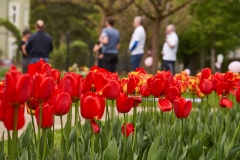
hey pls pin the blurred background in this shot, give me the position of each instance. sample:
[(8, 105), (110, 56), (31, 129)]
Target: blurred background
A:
[(205, 28)]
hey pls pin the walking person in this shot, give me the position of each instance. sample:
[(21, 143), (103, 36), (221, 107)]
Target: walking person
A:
[(110, 38), (170, 48), (136, 46), (98, 49), (39, 44), (25, 58)]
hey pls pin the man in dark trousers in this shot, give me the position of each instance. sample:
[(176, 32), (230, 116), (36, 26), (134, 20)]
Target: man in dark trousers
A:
[(110, 38), (39, 44)]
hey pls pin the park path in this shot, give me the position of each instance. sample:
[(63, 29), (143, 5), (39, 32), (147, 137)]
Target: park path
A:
[(57, 121)]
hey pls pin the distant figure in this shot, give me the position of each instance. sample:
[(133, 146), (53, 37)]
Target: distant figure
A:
[(170, 48), (39, 44), (25, 58), (98, 49), (136, 46), (110, 38)]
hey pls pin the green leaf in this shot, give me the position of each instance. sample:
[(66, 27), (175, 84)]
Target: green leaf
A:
[(233, 151), (197, 149), (2, 155), (160, 153), (152, 149), (111, 153), (24, 155), (116, 128), (73, 136), (174, 154), (183, 156), (27, 137), (211, 152), (221, 149)]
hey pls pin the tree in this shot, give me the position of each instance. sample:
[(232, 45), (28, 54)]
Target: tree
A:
[(157, 14)]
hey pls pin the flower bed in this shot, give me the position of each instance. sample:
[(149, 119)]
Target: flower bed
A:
[(169, 128)]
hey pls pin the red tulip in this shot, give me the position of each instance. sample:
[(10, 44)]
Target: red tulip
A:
[(47, 116), (215, 82), (132, 84), (18, 87), (61, 103), (124, 103), (173, 93), (206, 73), (127, 129), (8, 116), (145, 90), (225, 102), (206, 86), (182, 108), (157, 87), (111, 90), (223, 89), (95, 127), (92, 106), (72, 84), (43, 87), (238, 94), (94, 82), (164, 104)]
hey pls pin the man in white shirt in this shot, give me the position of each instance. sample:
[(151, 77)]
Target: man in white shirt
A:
[(170, 48), (136, 46)]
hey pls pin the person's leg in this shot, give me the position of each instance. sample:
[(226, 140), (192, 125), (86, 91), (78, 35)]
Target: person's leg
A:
[(138, 60), (25, 63), (34, 60), (165, 64), (113, 62), (107, 62), (135, 61), (170, 66)]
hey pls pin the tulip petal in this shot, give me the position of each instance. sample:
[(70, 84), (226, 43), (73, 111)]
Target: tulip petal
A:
[(95, 127), (187, 109), (164, 104)]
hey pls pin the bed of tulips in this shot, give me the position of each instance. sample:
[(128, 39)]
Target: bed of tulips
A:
[(163, 124)]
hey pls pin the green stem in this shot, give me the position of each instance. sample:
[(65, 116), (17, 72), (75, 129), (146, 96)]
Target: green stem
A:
[(92, 146), (106, 116), (62, 138), (39, 131), (134, 122), (125, 138), (76, 112), (182, 133), (13, 154), (78, 156), (53, 131), (223, 113), (9, 142), (154, 117), (45, 141), (159, 135), (112, 113), (34, 130)]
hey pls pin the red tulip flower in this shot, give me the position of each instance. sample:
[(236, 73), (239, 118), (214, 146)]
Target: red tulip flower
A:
[(206, 73), (47, 116), (164, 104), (33, 104), (95, 127), (94, 82), (8, 116), (225, 103), (92, 106), (18, 87), (72, 84), (111, 90), (206, 86), (61, 103), (182, 108), (43, 87), (127, 129), (173, 93), (145, 90), (124, 103), (238, 94)]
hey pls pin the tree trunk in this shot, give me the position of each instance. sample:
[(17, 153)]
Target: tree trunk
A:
[(213, 59), (202, 61), (155, 45)]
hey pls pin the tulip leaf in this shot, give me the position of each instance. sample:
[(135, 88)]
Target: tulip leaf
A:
[(160, 153), (73, 136), (27, 137), (129, 146), (24, 155), (174, 154), (211, 152), (153, 149), (111, 151), (183, 156), (2, 155), (221, 149), (197, 149), (104, 142), (233, 152), (116, 127)]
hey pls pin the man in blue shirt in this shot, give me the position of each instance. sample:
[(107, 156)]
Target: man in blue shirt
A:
[(110, 38), (39, 44)]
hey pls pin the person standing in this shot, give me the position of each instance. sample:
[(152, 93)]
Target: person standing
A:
[(25, 58), (136, 46), (39, 44), (170, 48), (110, 38), (98, 49)]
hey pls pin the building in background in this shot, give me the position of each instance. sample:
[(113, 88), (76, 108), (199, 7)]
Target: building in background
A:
[(17, 12)]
